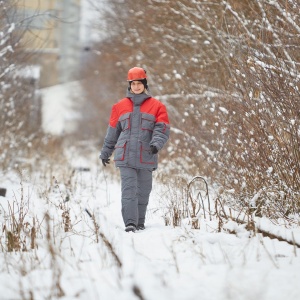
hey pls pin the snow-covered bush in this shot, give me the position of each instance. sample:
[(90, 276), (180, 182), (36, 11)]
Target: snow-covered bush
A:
[(262, 126), (228, 72), (20, 105)]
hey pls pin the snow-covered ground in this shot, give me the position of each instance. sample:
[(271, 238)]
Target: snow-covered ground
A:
[(160, 262)]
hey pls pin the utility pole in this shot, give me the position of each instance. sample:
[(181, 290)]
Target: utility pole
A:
[(69, 40)]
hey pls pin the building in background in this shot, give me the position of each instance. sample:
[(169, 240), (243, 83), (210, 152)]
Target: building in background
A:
[(58, 34), (52, 30)]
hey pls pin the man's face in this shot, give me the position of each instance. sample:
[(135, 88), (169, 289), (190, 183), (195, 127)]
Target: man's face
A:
[(137, 87)]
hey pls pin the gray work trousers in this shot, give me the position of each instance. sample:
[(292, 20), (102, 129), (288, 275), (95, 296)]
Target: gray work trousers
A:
[(136, 185)]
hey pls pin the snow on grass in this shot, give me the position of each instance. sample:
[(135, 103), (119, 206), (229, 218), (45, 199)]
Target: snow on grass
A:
[(160, 262)]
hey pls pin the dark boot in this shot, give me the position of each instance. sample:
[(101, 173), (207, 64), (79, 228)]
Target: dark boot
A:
[(140, 227), (130, 227)]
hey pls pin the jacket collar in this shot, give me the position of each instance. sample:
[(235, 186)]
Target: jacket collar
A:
[(137, 99)]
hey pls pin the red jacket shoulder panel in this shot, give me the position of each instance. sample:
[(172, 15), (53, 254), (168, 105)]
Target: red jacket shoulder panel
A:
[(124, 106), (155, 107), (150, 106)]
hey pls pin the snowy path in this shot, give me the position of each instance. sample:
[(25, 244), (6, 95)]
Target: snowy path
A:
[(160, 262), (180, 263)]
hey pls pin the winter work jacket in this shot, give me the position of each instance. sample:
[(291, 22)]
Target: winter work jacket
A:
[(136, 122)]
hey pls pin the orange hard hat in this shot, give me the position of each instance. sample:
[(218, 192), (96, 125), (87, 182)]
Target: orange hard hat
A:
[(136, 73)]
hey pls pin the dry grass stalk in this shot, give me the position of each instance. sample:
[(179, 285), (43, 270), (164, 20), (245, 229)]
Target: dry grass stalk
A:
[(174, 196), (16, 228), (56, 271)]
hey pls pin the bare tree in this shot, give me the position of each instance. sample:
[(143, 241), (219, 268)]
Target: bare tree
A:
[(262, 144)]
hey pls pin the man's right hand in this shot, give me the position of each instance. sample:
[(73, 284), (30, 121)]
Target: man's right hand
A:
[(105, 161)]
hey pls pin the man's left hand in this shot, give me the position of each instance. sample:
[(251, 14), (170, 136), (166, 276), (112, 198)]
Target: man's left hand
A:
[(153, 149)]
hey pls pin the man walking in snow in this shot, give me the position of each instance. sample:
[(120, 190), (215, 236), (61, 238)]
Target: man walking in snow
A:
[(138, 128)]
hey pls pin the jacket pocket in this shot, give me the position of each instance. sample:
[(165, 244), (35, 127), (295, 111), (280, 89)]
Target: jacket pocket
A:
[(147, 122), (120, 150), (146, 157), (125, 121)]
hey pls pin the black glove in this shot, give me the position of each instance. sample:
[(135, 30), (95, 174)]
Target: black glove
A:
[(105, 161), (153, 149)]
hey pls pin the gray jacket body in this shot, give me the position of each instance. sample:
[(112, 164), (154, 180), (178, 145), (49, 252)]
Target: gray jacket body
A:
[(136, 122)]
